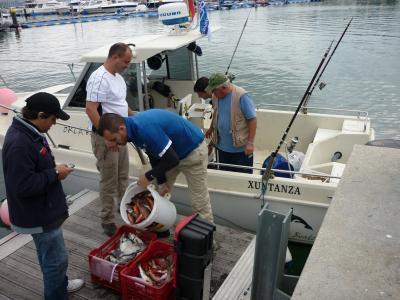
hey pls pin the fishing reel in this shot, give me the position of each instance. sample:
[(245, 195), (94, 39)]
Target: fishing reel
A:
[(231, 76)]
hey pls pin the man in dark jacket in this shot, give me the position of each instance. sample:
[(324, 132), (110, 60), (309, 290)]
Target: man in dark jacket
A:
[(36, 199)]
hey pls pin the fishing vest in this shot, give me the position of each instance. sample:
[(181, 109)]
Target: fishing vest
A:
[(239, 128)]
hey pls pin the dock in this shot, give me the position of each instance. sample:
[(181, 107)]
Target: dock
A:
[(84, 19), (356, 254), (21, 278)]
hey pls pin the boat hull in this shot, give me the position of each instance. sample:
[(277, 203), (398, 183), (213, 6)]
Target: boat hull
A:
[(231, 208)]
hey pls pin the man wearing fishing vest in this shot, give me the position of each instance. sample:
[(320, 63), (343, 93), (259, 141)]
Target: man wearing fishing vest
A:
[(106, 93), (234, 123)]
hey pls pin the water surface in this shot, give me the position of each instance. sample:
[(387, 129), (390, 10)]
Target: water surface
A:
[(277, 56)]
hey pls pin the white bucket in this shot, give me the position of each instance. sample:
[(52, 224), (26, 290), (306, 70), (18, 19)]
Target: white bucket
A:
[(162, 216)]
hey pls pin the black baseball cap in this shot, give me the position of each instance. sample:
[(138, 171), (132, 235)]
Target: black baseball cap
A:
[(46, 103)]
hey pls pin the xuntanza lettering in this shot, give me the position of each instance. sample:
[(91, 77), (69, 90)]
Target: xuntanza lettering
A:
[(278, 188)]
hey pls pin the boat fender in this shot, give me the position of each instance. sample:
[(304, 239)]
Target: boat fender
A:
[(296, 159)]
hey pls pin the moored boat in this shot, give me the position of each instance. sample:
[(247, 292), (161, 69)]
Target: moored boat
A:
[(236, 197)]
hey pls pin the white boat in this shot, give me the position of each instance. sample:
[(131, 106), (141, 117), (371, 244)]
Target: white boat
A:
[(74, 7), (5, 20), (93, 7), (119, 6), (45, 7), (322, 134), (115, 6)]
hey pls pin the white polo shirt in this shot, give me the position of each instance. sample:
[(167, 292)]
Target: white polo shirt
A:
[(109, 90)]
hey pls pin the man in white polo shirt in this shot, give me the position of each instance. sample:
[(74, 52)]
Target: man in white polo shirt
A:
[(106, 93)]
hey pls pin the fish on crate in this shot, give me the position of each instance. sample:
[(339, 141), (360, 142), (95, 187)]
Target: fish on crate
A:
[(140, 207), (157, 270), (130, 246)]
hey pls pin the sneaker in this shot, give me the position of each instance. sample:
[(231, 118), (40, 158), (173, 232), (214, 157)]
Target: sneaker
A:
[(74, 285), (163, 234), (109, 228)]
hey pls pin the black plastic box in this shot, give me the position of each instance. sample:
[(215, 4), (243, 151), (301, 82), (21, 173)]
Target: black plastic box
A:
[(193, 248)]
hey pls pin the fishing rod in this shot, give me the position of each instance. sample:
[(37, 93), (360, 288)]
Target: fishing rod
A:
[(237, 44), (268, 170), (304, 109)]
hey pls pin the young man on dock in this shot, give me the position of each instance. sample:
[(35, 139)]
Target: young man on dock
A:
[(106, 93), (173, 145), (36, 199)]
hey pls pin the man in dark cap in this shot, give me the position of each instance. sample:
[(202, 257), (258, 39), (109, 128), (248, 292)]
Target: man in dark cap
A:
[(36, 199)]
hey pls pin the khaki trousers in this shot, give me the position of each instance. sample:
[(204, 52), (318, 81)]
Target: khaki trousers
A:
[(194, 168), (114, 174)]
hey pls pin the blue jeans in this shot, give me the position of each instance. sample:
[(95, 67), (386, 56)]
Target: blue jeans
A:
[(53, 261), (237, 158)]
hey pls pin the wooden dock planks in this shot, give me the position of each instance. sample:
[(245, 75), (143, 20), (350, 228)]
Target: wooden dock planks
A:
[(21, 278)]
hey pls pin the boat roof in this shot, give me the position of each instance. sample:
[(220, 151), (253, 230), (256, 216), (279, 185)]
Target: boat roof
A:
[(148, 45)]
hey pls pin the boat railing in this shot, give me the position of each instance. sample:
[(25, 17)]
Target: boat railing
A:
[(360, 114), (312, 172), (70, 65)]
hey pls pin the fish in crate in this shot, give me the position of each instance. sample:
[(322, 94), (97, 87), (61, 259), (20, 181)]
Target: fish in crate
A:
[(130, 246), (157, 270)]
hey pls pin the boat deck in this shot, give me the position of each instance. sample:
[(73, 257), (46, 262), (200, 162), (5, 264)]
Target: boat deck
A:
[(21, 278)]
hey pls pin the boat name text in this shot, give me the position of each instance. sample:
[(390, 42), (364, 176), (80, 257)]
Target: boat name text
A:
[(278, 188), (74, 130)]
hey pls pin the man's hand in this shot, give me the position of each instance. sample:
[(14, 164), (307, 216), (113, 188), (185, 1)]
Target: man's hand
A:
[(63, 171), (249, 149), (143, 181), (163, 189), (111, 146)]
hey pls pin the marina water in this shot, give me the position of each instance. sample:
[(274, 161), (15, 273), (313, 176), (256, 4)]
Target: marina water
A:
[(276, 58)]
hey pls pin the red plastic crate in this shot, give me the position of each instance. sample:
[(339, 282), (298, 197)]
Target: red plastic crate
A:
[(134, 288), (106, 273)]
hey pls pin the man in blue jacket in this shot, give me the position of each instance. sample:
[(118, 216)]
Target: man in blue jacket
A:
[(36, 199), (173, 145)]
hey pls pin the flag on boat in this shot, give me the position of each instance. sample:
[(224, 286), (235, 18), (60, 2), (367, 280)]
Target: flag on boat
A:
[(191, 7), (204, 22)]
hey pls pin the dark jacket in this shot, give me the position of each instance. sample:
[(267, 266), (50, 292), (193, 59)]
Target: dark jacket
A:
[(35, 195)]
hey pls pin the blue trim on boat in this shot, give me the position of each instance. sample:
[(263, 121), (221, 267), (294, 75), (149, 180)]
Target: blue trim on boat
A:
[(176, 21)]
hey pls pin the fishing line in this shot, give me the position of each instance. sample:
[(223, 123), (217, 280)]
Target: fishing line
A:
[(268, 171), (237, 44)]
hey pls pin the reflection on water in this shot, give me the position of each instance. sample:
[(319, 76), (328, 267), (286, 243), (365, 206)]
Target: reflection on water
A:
[(277, 56)]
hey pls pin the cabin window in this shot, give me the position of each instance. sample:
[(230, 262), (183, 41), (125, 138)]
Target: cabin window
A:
[(79, 98), (180, 67), (176, 66)]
